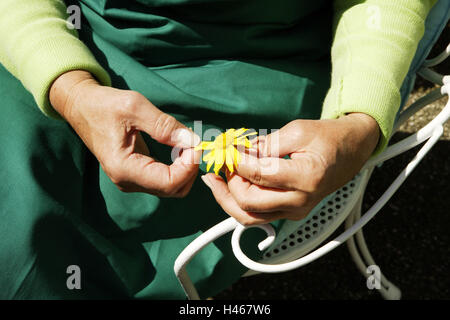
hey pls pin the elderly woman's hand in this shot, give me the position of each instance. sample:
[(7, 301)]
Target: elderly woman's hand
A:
[(109, 122), (324, 155)]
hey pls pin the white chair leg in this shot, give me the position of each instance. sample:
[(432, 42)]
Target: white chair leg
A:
[(363, 259)]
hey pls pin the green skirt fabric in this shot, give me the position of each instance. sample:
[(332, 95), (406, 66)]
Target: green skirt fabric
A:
[(59, 209)]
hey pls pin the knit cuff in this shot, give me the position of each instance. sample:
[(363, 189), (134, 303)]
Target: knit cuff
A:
[(52, 57), (372, 95)]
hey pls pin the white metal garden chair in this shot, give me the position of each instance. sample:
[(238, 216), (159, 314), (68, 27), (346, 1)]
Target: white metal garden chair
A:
[(343, 206)]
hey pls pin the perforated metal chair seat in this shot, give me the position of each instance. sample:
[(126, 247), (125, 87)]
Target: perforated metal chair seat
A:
[(319, 226)]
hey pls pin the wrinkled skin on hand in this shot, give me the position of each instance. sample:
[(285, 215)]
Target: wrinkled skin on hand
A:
[(324, 155), (110, 122)]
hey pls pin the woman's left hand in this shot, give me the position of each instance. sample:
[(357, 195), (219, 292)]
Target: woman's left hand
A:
[(324, 156)]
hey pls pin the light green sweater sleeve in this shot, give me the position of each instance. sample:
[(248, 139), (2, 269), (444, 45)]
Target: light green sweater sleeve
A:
[(36, 46), (374, 44)]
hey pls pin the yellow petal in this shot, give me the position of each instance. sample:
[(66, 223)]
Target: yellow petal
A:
[(240, 131), (219, 160), (230, 157), (209, 155), (209, 158), (242, 142), (223, 149), (237, 157), (230, 132), (205, 145), (229, 136), (210, 163), (249, 134)]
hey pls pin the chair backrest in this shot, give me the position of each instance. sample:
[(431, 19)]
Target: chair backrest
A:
[(434, 25)]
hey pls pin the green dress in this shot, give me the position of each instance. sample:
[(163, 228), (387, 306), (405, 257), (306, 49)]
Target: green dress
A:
[(229, 64)]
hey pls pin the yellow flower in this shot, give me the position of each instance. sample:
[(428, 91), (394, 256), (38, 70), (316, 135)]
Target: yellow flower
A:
[(223, 149)]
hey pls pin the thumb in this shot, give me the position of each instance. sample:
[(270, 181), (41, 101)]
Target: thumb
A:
[(222, 194), (224, 198), (282, 142), (217, 186)]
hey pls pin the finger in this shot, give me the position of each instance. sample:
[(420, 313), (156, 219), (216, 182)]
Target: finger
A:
[(190, 157), (184, 190), (225, 199), (268, 172), (141, 173), (255, 198), (161, 126), (280, 143), (304, 172)]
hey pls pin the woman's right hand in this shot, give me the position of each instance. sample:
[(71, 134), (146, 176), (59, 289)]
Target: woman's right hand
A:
[(109, 122)]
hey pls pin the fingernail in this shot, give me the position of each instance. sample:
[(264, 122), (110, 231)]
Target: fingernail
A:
[(206, 181), (187, 157), (186, 138)]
